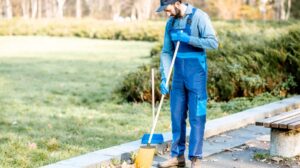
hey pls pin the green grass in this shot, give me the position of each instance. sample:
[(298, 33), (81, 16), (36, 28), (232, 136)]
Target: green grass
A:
[(56, 98), (56, 93)]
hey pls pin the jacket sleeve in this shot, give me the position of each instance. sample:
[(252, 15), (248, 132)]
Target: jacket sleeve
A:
[(167, 52), (207, 38)]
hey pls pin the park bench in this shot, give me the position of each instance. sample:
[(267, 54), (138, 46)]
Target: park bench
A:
[(285, 133)]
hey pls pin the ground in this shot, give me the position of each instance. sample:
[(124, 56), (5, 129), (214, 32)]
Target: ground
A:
[(253, 154), (246, 147), (55, 97), (57, 101)]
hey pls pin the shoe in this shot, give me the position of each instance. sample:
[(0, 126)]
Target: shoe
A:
[(175, 161), (195, 163)]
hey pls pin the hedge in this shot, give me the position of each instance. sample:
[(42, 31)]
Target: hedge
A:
[(247, 63)]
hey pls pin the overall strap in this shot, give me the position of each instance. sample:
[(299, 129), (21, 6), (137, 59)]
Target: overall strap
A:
[(184, 47), (188, 22), (188, 29)]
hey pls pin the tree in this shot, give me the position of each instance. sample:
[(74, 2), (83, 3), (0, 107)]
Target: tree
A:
[(115, 7), (25, 9), (78, 9), (282, 12), (50, 8), (34, 6), (141, 9), (227, 9), (1, 14), (60, 8), (40, 8), (8, 9)]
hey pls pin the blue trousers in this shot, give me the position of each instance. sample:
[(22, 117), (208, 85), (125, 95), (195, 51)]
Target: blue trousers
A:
[(188, 98)]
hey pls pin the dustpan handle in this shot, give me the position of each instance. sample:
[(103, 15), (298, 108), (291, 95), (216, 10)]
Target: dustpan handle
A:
[(163, 96), (153, 95)]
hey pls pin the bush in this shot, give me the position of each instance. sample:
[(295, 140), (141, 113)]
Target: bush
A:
[(246, 64), (87, 28)]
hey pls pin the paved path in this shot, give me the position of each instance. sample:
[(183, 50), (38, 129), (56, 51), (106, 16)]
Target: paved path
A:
[(228, 150)]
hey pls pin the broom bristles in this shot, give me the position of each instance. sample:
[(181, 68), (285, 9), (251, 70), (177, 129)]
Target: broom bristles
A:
[(144, 157)]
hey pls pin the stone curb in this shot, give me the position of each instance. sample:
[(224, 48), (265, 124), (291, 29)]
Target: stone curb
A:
[(213, 127)]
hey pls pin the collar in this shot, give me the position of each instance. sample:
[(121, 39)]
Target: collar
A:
[(189, 9)]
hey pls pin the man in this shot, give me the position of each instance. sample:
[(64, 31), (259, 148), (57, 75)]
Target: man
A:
[(193, 28)]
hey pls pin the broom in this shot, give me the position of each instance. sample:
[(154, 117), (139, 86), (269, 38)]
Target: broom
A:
[(145, 154)]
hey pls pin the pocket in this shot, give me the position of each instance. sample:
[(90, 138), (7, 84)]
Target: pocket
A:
[(202, 61), (201, 106)]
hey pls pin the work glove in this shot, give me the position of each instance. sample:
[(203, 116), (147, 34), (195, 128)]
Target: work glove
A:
[(163, 87), (181, 36)]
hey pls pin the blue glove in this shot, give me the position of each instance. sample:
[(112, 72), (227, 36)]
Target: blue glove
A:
[(163, 87), (180, 36)]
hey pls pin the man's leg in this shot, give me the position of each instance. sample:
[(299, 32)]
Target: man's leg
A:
[(197, 100), (197, 119), (178, 117)]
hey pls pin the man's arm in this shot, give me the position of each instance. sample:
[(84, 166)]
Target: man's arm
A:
[(167, 52), (207, 39)]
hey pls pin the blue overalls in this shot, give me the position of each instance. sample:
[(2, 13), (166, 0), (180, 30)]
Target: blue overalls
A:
[(188, 92)]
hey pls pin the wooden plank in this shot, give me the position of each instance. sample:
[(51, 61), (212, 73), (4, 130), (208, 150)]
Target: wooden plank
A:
[(276, 124), (267, 122), (284, 125), (259, 123), (295, 125)]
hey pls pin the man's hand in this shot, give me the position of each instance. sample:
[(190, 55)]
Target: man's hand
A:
[(179, 35), (164, 88)]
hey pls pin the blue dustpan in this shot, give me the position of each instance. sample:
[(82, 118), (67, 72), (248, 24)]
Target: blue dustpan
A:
[(156, 139)]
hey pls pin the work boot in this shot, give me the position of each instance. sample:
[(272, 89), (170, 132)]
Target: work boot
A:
[(195, 163), (175, 161)]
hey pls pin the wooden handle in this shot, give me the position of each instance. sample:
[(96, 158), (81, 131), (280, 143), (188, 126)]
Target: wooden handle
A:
[(153, 95), (163, 96)]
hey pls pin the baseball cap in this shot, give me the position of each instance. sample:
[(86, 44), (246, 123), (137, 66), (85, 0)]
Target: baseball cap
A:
[(164, 4)]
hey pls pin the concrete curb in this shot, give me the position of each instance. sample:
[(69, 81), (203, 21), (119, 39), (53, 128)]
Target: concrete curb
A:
[(213, 127)]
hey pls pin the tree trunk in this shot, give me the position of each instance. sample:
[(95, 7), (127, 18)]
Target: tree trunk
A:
[(133, 13), (78, 9), (288, 13), (40, 9), (25, 9), (60, 8), (147, 8), (282, 10), (90, 7), (8, 9), (116, 11), (143, 9), (0, 9), (34, 6), (48, 8)]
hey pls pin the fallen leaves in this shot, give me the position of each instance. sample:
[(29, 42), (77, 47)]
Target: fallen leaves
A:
[(277, 159)]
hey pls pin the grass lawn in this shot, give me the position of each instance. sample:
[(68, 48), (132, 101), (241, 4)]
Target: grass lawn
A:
[(56, 98)]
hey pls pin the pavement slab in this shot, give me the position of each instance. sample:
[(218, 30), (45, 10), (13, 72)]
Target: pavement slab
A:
[(223, 145)]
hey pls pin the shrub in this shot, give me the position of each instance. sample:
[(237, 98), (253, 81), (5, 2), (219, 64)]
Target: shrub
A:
[(87, 28), (246, 64)]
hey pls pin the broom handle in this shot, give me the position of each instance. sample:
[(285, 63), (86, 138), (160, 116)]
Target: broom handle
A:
[(163, 96), (153, 95)]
